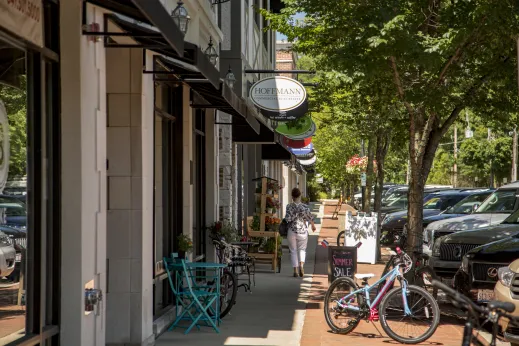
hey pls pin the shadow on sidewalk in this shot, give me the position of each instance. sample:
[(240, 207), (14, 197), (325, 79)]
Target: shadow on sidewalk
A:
[(273, 314)]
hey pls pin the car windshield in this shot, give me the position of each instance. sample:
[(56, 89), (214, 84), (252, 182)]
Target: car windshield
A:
[(501, 201), (466, 205), (433, 203), (513, 219), (399, 202)]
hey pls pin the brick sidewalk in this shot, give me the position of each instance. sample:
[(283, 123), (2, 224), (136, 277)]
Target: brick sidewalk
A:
[(316, 330)]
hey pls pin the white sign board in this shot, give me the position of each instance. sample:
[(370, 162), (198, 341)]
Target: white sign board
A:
[(320, 180), (278, 94), (23, 18), (362, 229), (363, 179)]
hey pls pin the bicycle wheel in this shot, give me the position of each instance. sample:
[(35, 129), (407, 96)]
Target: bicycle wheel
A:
[(228, 290), (340, 320), (425, 276), (424, 319), (340, 239)]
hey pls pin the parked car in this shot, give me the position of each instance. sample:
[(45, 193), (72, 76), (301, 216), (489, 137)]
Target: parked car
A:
[(437, 202), (507, 290), (464, 207), (477, 275), (7, 256), (18, 239), (398, 201), (494, 210), (448, 251)]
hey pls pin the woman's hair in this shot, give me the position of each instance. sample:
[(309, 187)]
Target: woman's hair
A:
[(296, 193)]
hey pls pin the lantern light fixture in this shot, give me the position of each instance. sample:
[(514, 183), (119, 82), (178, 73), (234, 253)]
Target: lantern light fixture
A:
[(230, 78), (181, 17), (211, 52)]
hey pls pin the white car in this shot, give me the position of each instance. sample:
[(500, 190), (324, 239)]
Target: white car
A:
[(7, 256)]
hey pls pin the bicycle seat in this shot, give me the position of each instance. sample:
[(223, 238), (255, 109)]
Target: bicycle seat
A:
[(364, 276)]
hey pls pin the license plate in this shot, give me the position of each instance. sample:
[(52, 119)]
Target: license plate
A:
[(485, 295)]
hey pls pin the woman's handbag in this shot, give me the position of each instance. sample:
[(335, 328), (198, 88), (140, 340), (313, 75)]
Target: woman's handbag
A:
[(283, 228)]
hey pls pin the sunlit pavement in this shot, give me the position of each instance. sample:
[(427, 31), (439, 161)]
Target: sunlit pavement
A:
[(283, 310), (272, 315)]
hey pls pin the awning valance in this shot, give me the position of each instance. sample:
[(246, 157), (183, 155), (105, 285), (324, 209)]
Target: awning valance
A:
[(151, 12), (274, 152), (221, 98)]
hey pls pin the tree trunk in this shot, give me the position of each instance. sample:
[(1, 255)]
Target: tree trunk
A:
[(369, 175), (383, 140)]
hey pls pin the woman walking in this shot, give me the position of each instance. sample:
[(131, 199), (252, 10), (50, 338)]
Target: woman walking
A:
[(297, 217)]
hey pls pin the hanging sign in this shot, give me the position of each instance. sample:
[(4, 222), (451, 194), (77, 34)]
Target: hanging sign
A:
[(278, 94), (24, 18), (308, 162), (297, 144), (306, 157), (362, 179), (301, 151), (307, 134), (296, 128), (287, 115)]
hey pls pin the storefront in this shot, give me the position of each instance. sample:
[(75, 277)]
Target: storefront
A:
[(29, 172)]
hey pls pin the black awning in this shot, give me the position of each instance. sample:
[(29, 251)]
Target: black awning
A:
[(241, 134), (274, 152), (192, 63), (221, 98), (150, 12)]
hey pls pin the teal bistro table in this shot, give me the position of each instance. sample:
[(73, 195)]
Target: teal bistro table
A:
[(196, 286)]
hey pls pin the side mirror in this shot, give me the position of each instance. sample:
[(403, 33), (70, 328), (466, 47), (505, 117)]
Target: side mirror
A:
[(475, 207)]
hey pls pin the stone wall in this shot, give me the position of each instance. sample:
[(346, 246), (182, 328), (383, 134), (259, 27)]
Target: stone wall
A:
[(225, 168)]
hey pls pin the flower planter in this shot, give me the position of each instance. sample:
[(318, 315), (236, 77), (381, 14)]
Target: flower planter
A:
[(269, 210)]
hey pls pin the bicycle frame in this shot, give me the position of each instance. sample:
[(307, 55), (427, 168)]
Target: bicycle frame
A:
[(392, 275)]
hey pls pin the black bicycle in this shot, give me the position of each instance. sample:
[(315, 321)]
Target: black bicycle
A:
[(228, 281), (491, 312)]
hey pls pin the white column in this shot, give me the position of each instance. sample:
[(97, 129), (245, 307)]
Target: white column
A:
[(131, 182), (83, 176)]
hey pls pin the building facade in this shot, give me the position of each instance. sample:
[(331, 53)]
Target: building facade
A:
[(134, 135)]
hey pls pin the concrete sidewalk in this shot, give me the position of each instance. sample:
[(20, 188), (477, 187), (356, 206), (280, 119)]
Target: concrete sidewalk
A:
[(272, 315)]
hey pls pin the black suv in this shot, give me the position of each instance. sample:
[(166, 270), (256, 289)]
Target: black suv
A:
[(477, 275), (448, 251)]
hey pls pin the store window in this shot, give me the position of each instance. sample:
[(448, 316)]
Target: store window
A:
[(168, 187), (199, 183)]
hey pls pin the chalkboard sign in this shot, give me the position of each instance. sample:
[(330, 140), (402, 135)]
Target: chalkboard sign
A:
[(342, 261)]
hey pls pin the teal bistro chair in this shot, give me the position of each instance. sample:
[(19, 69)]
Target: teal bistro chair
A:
[(182, 300), (201, 300)]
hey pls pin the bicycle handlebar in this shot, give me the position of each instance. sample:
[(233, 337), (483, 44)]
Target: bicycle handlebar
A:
[(505, 306)]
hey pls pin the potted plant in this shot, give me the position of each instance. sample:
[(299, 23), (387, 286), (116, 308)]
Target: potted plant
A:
[(272, 223), (185, 245), (273, 186), (272, 205)]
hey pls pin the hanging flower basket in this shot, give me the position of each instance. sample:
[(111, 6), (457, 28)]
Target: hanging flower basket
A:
[(358, 164)]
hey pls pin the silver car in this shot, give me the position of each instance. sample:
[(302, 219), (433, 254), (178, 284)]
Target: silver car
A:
[(7, 256)]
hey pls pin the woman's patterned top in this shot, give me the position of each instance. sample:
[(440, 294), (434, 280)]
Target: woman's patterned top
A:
[(297, 215)]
